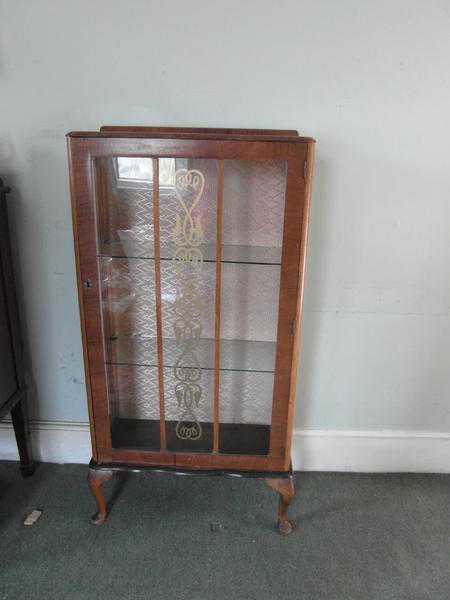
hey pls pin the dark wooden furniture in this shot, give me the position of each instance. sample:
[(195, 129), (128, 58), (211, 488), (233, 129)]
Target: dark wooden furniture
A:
[(12, 381), (190, 251)]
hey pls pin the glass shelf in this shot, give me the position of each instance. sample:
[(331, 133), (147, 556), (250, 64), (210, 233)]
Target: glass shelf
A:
[(236, 355), (261, 255), (245, 396)]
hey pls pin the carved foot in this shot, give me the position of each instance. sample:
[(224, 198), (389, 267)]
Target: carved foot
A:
[(285, 487), (96, 478)]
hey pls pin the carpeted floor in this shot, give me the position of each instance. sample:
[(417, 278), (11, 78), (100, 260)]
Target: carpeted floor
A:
[(358, 537)]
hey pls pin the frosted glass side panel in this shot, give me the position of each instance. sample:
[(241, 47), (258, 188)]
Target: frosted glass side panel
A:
[(254, 204)]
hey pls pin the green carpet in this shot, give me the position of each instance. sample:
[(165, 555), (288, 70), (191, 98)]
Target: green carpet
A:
[(358, 537)]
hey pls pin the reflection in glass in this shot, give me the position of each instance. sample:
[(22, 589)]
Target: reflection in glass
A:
[(140, 169)]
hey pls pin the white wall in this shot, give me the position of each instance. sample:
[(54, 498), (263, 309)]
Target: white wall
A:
[(369, 80)]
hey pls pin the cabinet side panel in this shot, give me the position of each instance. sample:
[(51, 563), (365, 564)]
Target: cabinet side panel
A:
[(85, 242), (298, 317), (289, 303)]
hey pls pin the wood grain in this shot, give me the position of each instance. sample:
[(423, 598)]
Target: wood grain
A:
[(96, 479), (88, 146), (298, 315), (86, 250), (198, 130), (290, 284), (195, 461), (243, 137), (285, 488)]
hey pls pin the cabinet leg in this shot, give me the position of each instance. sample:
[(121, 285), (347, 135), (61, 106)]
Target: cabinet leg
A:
[(285, 487), (96, 478), (20, 424)]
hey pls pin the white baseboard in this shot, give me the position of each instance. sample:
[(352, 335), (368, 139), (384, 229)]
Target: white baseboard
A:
[(51, 441), (371, 451), (313, 450)]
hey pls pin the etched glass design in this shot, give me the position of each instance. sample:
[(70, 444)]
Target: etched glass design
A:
[(187, 236), (187, 293)]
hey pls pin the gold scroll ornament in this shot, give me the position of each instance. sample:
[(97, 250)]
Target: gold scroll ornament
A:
[(187, 236)]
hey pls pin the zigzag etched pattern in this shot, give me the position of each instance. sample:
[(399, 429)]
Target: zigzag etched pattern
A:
[(247, 397), (254, 202), (249, 298)]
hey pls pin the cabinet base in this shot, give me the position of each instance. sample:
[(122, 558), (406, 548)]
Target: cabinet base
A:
[(281, 482)]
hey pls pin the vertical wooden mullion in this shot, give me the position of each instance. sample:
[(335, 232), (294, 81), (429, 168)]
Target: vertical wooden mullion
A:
[(159, 339), (219, 220)]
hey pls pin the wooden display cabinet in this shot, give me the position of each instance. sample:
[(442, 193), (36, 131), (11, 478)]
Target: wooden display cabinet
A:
[(190, 250)]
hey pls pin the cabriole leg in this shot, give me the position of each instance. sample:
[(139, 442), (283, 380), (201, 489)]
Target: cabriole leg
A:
[(96, 478), (285, 487)]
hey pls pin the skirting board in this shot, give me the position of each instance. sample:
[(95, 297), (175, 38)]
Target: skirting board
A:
[(313, 450)]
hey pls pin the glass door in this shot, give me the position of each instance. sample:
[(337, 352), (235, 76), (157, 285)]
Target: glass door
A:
[(189, 256)]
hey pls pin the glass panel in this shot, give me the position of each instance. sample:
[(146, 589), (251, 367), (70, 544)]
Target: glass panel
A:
[(124, 208), (188, 273), (131, 232), (253, 216), (253, 209)]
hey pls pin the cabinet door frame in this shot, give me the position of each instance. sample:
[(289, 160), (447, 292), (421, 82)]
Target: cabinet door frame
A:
[(298, 152)]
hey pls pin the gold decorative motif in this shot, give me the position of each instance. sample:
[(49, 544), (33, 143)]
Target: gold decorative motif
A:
[(187, 236)]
